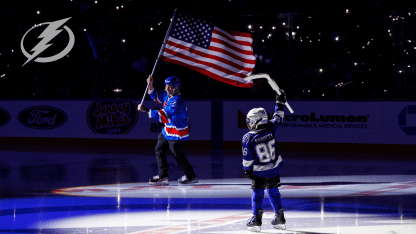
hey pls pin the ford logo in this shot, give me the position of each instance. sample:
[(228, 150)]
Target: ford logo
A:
[(4, 117), (42, 117)]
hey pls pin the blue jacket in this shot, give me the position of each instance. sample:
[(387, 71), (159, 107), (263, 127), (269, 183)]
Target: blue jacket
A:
[(260, 152), (174, 115)]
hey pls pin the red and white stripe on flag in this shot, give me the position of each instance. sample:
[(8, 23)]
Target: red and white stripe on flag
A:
[(200, 46)]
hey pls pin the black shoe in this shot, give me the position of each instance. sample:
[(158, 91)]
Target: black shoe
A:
[(156, 180), (185, 180), (254, 223), (279, 220)]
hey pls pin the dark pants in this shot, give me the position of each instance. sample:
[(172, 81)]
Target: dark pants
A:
[(263, 183), (177, 148)]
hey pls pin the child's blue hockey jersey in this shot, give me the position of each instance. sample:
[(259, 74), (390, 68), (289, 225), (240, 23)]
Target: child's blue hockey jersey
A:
[(174, 115), (260, 152)]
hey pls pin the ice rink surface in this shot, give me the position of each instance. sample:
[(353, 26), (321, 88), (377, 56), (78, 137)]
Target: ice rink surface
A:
[(96, 190)]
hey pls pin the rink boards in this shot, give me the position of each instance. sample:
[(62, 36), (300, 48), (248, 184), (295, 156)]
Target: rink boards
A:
[(313, 121)]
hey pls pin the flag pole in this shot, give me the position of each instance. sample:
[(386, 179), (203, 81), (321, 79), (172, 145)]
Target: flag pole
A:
[(160, 52)]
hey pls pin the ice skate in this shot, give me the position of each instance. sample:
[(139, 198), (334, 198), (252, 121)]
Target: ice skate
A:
[(279, 221), (185, 180), (254, 223), (157, 181)]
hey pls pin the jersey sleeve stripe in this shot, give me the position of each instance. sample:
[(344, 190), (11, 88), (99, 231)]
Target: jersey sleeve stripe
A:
[(247, 163), (157, 98), (163, 117)]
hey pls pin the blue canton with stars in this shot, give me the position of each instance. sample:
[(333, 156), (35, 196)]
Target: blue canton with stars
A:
[(192, 30)]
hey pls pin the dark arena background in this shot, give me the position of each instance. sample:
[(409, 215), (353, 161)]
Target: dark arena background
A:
[(76, 156)]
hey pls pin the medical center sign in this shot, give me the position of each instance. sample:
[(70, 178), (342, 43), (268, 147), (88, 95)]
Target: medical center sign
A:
[(47, 35)]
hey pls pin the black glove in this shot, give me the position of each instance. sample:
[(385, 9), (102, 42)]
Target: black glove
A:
[(281, 99), (146, 109), (249, 174)]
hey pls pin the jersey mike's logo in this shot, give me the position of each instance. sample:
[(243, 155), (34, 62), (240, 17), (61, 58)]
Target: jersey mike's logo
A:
[(112, 117), (403, 115), (42, 117), (4, 117), (48, 34)]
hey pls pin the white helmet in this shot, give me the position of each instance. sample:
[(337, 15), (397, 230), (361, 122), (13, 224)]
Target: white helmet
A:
[(256, 117)]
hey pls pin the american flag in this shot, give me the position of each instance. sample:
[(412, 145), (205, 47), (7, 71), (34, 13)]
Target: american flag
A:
[(205, 48)]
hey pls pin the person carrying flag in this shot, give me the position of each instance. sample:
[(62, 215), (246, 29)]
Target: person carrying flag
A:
[(176, 131)]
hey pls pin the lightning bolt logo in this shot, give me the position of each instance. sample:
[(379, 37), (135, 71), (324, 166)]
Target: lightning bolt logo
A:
[(48, 34)]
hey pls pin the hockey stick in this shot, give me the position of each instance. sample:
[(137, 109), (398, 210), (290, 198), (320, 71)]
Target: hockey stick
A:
[(272, 83)]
